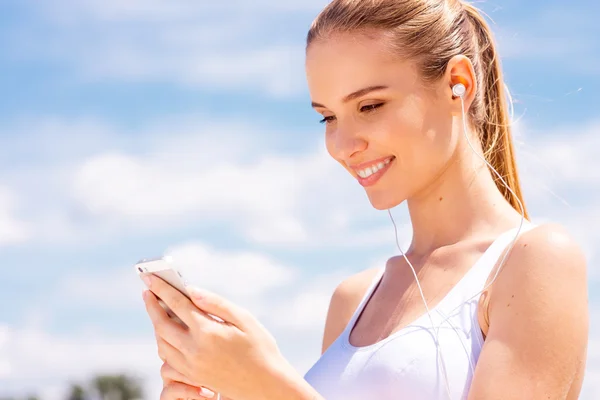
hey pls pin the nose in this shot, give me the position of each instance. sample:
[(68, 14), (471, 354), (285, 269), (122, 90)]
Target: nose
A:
[(345, 143)]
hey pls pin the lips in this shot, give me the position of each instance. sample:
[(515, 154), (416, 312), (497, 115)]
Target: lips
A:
[(373, 168), (369, 173)]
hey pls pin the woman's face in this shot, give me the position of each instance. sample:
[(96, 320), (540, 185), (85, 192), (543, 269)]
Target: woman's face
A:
[(382, 124)]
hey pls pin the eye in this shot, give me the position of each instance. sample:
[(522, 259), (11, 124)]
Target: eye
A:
[(370, 107), (327, 120)]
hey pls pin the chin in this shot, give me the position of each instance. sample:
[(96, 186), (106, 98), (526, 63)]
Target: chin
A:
[(384, 201)]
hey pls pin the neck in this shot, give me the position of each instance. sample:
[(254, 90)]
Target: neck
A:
[(461, 203)]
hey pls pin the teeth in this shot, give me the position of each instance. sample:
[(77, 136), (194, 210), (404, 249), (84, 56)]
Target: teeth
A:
[(365, 173)]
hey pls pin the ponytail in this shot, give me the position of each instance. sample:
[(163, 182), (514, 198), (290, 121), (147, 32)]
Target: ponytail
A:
[(495, 130)]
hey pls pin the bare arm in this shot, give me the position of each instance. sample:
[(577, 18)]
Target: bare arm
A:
[(538, 313)]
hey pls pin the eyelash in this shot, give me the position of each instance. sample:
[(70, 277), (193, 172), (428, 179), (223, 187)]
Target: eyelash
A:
[(365, 109)]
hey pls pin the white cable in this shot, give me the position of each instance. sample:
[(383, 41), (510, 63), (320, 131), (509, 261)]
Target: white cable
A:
[(437, 346), (518, 230), (459, 91)]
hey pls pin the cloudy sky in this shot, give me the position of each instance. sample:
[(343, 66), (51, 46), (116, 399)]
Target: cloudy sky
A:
[(132, 128)]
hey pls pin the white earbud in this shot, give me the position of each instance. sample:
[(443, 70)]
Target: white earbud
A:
[(459, 90)]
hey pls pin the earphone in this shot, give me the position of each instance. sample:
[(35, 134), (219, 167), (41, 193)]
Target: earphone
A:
[(459, 90)]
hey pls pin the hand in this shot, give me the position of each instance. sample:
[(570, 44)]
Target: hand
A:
[(236, 357), (176, 386)]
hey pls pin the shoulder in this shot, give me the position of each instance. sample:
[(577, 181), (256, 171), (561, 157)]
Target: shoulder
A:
[(538, 319), (544, 255), (544, 276), (344, 301)]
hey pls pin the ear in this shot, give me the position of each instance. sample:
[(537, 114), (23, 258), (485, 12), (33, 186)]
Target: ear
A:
[(460, 70)]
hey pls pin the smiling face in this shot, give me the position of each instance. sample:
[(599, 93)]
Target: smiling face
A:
[(389, 130)]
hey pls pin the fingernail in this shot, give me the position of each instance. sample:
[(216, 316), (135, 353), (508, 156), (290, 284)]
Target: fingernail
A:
[(209, 394), (147, 280)]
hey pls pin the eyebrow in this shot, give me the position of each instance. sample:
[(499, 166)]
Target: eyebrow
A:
[(355, 95)]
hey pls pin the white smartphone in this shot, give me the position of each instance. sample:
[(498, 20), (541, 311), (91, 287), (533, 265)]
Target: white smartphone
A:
[(164, 268)]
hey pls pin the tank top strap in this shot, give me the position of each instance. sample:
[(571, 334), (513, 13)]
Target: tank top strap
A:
[(365, 299), (474, 279), (488, 261)]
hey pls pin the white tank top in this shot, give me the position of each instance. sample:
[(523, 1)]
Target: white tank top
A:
[(405, 364)]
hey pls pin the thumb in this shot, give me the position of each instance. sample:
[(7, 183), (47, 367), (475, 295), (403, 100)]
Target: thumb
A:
[(219, 307)]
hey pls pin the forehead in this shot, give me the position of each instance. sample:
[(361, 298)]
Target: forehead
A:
[(343, 63)]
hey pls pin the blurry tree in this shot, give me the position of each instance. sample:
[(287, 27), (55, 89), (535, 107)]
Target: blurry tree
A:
[(77, 392), (101, 387), (117, 387)]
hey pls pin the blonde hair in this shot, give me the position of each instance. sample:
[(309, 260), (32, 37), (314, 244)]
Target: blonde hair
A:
[(431, 32)]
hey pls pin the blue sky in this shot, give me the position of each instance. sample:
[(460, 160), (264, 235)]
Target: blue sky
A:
[(132, 128)]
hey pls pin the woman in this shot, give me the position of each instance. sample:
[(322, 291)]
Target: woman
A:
[(411, 95)]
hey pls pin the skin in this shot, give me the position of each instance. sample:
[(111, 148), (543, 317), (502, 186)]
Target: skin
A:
[(534, 317)]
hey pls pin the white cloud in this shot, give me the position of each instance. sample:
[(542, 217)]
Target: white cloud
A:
[(561, 181), (275, 70), (188, 43), (139, 187), (234, 274), (182, 171), (88, 290), (36, 359), (572, 155), (251, 279), (534, 37), (245, 277), (264, 198), (12, 229), (307, 310), (267, 200)]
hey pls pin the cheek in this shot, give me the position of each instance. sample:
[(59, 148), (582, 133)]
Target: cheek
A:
[(428, 123), (439, 135), (329, 144), (422, 140), (405, 132)]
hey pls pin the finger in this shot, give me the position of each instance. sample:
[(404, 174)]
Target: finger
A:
[(161, 345), (171, 314), (178, 390), (164, 349), (174, 299), (170, 355), (218, 306), (170, 374), (164, 327)]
